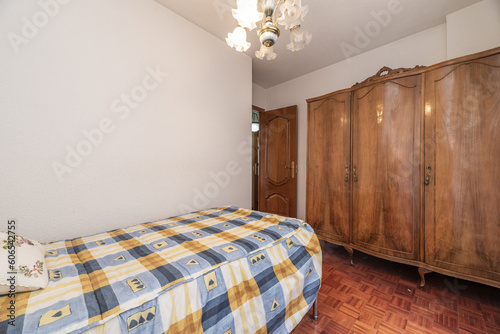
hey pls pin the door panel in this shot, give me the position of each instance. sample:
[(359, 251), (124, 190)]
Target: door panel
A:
[(386, 192), (278, 161), (328, 166), (278, 204), (462, 148), (278, 156)]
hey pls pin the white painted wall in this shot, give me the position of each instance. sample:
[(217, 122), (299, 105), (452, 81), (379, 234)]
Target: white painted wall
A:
[(425, 48), (474, 29), (184, 143), (258, 96)]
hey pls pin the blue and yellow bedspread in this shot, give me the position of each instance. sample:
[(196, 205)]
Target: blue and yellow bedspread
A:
[(224, 270)]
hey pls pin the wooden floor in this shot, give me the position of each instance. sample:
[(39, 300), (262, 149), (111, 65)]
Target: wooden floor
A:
[(379, 296)]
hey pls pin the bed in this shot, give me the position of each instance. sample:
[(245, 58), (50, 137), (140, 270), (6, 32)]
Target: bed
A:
[(224, 270)]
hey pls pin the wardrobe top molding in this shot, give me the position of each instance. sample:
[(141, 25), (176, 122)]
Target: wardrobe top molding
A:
[(387, 73)]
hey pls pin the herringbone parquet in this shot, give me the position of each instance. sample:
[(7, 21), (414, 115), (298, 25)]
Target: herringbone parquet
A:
[(379, 296)]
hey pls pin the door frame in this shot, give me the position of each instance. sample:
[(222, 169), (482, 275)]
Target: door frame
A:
[(255, 163)]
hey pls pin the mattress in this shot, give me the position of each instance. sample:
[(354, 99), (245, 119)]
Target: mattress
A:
[(224, 270)]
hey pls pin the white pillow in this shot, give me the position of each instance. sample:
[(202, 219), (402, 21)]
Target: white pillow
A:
[(25, 258)]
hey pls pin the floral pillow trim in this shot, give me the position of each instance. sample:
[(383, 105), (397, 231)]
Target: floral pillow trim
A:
[(26, 257), (35, 271), (19, 241)]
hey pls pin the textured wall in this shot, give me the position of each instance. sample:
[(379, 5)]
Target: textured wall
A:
[(116, 112)]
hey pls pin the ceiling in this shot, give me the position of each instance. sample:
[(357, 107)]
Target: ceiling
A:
[(335, 26)]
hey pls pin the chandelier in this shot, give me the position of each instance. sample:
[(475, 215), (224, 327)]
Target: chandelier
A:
[(289, 13)]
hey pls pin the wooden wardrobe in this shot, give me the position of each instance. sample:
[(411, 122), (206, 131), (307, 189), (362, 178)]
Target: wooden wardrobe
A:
[(406, 166)]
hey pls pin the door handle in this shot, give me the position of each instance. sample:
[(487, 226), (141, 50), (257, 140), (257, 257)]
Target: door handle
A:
[(428, 170), (293, 168), (355, 173), (256, 169), (346, 173)]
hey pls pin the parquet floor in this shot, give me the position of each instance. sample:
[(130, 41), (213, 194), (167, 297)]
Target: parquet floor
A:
[(379, 296)]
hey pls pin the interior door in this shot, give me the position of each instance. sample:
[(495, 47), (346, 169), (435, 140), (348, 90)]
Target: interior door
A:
[(386, 157), (278, 161), (328, 166)]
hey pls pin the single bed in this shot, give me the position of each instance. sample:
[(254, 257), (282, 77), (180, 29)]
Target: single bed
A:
[(224, 270)]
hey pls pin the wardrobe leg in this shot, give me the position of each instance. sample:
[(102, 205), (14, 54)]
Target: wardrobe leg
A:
[(422, 272), (350, 251)]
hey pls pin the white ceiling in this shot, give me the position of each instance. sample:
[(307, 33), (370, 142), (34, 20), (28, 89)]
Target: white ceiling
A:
[(333, 24)]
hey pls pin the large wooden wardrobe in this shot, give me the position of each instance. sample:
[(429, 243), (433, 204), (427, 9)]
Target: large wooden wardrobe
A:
[(406, 166)]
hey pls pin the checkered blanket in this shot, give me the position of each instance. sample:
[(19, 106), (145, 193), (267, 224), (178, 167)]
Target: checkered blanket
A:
[(224, 270)]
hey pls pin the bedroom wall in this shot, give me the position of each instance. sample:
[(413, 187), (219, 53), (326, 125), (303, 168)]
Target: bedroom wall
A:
[(425, 48), (473, 29), (258, 96), (116, 112)]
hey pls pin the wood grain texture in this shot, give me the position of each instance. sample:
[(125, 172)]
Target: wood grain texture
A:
[(462, 201), (386, 137), (278, 150), (328, 172), (387, 71), (437, 126)]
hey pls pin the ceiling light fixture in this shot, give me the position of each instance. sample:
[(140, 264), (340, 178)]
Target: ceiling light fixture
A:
[(291, 14)]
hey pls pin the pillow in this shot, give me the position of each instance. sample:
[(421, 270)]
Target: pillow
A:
[(26, 258)]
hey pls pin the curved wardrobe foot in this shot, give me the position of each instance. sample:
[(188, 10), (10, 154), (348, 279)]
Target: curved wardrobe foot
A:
[(351, 252), (422, 272)]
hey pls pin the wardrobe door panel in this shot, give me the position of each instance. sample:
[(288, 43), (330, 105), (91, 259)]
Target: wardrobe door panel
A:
[(386, 155), (328, 159), (462, 150)]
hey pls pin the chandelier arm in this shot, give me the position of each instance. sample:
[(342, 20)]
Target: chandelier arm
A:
[(263, 16), (275, 10)]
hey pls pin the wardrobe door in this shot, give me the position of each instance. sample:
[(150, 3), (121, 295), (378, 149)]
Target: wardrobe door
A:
[(462, 163), (328, 147), (386, 156)]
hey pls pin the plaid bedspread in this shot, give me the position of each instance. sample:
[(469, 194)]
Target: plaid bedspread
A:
[(224, 270)]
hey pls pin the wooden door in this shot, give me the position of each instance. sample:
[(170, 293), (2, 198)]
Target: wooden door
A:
[(278, 161), (462, 150), (386, 157), (328, 166)]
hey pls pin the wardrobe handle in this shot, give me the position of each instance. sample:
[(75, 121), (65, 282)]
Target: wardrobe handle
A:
[(355, 174), (428, 170), (346, 173)]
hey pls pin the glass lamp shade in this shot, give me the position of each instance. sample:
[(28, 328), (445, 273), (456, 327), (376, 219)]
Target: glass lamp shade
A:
[(238, 39), (247, 14), (292, 13), (298, 39), (265, 51)]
